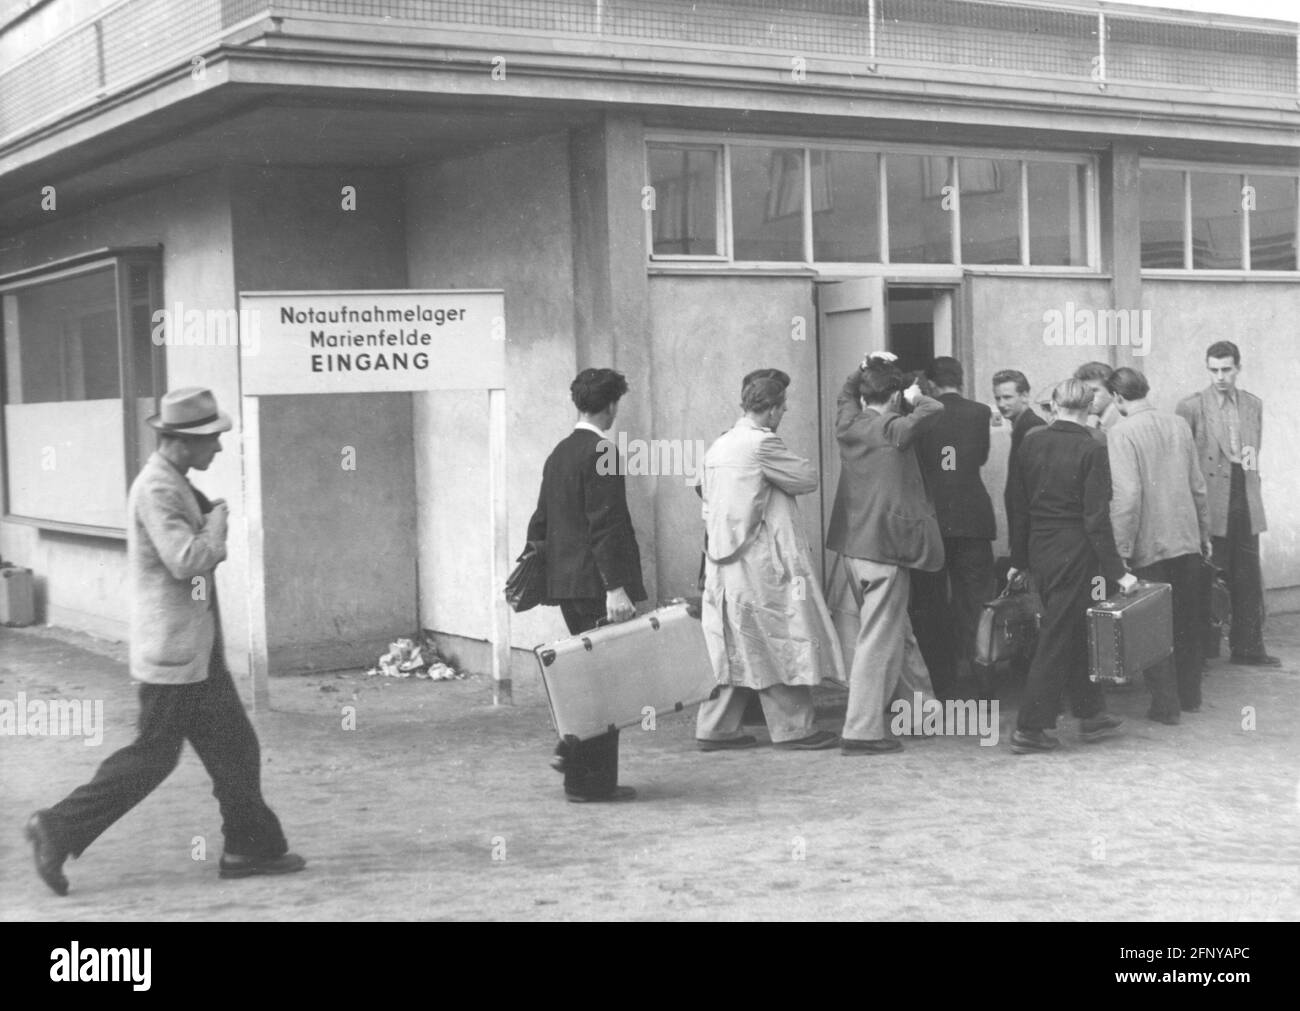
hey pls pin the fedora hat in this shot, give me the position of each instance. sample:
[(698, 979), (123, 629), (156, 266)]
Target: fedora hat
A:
[(191, 410)]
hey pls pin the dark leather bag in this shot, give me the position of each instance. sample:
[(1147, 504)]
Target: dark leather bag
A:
[(526, 584), (1008, 627)]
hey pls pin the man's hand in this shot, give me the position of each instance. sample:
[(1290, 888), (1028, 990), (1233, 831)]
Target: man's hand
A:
[(884, 356), (220, 512), (1015, 579), (1127, 583), (1207, 550), (913, 393), (618, 605)]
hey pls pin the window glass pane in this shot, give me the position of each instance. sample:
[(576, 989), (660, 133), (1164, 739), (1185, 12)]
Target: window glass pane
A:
[(767, 203), (846, 218), (1058, 214), (1273, 223), (685, 216), (63, 414), (920, 228), (1161, 197), (1216, 221), (990, 210), (61, 340)]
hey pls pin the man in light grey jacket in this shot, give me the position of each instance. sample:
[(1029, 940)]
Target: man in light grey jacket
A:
[(175, 539), (1161, 521)]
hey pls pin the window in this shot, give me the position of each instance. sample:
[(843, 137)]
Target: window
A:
[(1057, 195), (81, 375), (846, 227), (685, 188), (767, 203), (990, 210), (750, 202), (920, 211), (1199, 218)]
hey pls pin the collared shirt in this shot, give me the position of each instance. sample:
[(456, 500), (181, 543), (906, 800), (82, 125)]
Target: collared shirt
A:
[(589, 427), (1231, 422)]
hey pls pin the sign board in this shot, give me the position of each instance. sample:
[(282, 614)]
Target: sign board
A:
[(371, 341)]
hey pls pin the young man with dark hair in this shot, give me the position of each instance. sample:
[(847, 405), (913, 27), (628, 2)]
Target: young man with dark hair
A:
[(884, 526), (1102, 413), (174, 541), (1227, 424), (593, 564), (1161, 524), (946, 604), (1011, 394)]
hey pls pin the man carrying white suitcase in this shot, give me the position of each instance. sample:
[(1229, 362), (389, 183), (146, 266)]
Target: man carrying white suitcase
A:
[(593, 565)]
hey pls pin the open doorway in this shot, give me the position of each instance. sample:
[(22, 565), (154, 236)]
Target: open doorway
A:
[(919, 324)]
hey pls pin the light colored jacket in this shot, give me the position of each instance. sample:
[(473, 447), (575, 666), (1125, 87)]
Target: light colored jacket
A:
[(1158, 508), (764, 619), (171, 549), (740, 469), (1201, 411)]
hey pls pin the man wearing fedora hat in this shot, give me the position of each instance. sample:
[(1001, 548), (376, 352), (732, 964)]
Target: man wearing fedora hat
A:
[(175, 539)]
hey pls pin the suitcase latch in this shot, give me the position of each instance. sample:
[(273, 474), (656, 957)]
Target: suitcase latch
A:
[(547, 657), (586, 644)]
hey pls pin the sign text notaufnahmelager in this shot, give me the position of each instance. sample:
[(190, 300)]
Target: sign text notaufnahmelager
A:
[(373, 341), (382, 338)]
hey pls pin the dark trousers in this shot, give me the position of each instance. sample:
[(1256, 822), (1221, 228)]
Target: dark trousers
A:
[(1237, 554), (210, 715), (945, 609), (591, 767), (1176, 683), (1063, 565)]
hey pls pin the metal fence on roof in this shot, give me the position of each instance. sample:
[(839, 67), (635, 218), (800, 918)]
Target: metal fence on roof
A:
[(135, 38)]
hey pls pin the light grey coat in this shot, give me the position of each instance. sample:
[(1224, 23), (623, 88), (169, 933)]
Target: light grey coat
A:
[(171, 549)]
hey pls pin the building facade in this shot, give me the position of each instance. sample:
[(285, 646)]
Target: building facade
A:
[(683, 191)]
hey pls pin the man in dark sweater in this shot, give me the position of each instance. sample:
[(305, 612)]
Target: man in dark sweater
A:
[(946, 604)]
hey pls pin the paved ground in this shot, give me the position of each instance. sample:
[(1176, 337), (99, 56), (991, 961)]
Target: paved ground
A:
[(439, 806)]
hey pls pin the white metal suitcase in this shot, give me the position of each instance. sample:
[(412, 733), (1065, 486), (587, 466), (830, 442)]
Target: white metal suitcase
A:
[(609, 677)]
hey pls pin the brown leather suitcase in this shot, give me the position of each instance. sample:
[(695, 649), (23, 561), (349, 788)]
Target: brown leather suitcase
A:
[(609, 677), (1130, 632)]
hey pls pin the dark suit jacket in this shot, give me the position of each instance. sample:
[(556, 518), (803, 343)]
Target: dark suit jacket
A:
[(582, 516), (1024, 424), (1201, 411), (882, 511), (961, 438), (1063, 481)]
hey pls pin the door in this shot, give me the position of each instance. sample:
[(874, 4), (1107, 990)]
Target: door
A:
[(850, 323)]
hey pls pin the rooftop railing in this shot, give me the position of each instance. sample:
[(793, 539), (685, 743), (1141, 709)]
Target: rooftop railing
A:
[(1040, 42)]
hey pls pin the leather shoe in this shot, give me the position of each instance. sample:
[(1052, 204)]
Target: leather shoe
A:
[(1255, 660), (620, 793), (247, 867), (1172, 719), (47, 854), (883, 746), (728, 744), (1025, 742), (1096, 727), (818, 741)]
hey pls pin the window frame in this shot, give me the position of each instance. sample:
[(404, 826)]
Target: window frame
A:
[(809, 264), (121, 260), (1244, 172)]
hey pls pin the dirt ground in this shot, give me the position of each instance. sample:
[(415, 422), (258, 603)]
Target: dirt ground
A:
[(439, 806)]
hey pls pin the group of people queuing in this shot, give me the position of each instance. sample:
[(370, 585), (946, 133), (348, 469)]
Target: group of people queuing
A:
[(1104, 493)]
